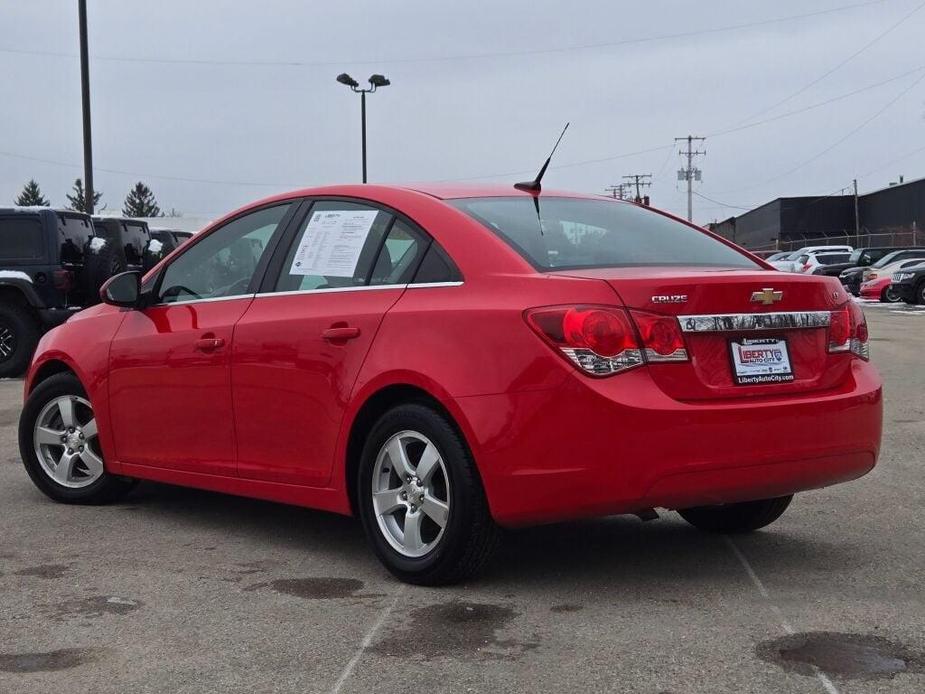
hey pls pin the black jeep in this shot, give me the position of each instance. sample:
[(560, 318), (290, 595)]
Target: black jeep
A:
[(52, 264)]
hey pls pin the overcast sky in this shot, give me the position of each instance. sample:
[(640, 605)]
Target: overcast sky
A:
[(479, 88)]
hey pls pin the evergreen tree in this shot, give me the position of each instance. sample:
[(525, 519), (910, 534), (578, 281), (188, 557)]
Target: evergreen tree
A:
[(32, 196), (78, 200), (140, 202)]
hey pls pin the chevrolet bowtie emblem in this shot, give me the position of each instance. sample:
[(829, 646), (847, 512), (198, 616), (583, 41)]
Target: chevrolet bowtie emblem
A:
[(767, 296)]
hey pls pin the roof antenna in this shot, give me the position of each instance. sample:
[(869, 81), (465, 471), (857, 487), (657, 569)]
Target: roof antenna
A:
[(534, 185)]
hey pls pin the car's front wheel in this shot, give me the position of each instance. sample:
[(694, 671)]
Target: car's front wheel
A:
[(737, 518), (59, 445), (421, 500)]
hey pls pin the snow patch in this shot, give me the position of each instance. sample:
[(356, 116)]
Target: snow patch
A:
[(155, 246), (97, 243), (15, 275)]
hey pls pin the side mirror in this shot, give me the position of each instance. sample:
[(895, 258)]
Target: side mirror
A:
[(122, 290)]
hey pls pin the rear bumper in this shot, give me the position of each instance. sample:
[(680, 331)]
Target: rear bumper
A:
[(618, 445)]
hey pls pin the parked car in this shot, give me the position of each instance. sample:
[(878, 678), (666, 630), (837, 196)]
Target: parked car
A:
[(132, 246), (878, 290), (808, 262), (852, 277), (445, 360), (860, 257), (790, 262), (46, 275), (909, 284)]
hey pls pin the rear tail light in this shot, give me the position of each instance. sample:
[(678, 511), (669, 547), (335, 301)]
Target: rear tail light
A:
[(661, 337), (602, 340), (848, 331), (63, 280), (806, 267)]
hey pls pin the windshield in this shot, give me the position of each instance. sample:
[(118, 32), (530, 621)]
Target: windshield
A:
[(571, 233)]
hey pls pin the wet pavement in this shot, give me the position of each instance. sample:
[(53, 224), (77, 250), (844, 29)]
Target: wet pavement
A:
[(177, 590)]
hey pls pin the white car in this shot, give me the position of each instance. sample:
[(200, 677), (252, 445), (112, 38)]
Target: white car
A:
[(808, 262), (789, 263)]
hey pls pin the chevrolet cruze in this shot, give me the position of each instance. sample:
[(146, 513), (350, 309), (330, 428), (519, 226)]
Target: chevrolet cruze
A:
[(447, 361)]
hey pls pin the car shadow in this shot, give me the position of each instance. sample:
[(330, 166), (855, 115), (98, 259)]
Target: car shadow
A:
[(614, 553)]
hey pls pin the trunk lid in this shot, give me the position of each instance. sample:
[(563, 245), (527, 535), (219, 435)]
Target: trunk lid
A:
[(715, 309)]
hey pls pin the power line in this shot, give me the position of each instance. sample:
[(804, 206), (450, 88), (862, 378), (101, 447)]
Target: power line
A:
[(723, 204), (461, 56), (835, 144), (639, 181), (841, 64)]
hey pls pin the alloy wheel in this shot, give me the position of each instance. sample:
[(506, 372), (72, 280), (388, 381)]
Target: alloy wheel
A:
[(66, 442), (7, 342), (891, 295), (411, 493)]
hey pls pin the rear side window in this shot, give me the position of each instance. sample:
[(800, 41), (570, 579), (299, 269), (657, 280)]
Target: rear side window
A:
[(833, 259), (21, 239), (74, 233), (436, 267), (399, 256), (335, 247), (584, 233)]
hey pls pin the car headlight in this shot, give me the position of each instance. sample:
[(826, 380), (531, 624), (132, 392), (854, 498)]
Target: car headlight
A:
[(900, 276)]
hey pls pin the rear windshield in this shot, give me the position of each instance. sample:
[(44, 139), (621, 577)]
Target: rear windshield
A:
[(577, 233)]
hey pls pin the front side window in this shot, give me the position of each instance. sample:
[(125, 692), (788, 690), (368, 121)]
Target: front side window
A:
[(223, 264), (586, 233)]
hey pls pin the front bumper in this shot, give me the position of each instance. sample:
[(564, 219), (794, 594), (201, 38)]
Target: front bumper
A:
[(619, 445)]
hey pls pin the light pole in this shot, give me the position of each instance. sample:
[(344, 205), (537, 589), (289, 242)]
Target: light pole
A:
[(375, 81), (85, 104)]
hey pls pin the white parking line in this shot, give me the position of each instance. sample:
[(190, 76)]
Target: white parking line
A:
[(364, 644), (784, 622)]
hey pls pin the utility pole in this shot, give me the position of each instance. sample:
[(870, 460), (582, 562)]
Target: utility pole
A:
[(690, 173), (85, 103), (857, 218), (639, 180), (618, 191)]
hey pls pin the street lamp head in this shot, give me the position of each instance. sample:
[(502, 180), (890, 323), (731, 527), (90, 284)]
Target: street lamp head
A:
[(344, 78), (379, 81)]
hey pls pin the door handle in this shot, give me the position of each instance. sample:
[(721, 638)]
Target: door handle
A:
[(209, 344), (340, 333)]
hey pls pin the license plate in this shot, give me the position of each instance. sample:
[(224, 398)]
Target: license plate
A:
[(756, 361)]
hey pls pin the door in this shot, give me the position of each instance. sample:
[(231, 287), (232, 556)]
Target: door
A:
[(301, 343), (169, 376)]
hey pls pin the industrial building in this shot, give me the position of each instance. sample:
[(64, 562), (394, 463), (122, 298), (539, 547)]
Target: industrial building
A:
[(890, 216)]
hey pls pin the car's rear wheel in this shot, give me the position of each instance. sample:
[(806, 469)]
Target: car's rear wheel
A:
[(919, 295), (421, 500), (737, 518), (59, 445), (889, 295), (19, 334)]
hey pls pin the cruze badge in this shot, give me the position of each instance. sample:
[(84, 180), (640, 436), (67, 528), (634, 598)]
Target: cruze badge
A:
[(767, 296), (669, 298)]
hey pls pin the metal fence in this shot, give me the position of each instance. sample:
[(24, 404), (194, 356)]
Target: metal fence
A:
[(898, 238)]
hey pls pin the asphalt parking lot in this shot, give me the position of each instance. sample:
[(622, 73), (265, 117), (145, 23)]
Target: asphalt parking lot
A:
[(178, 590)]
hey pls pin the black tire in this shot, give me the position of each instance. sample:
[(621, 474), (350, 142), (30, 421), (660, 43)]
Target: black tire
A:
[(890, 295), (470, 536), (101, 263), (743, 517), (19, 334), (106, 488), (918, 297)]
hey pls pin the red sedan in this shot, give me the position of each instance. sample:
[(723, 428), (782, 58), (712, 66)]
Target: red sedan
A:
[(879, 290), (444, 361)]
